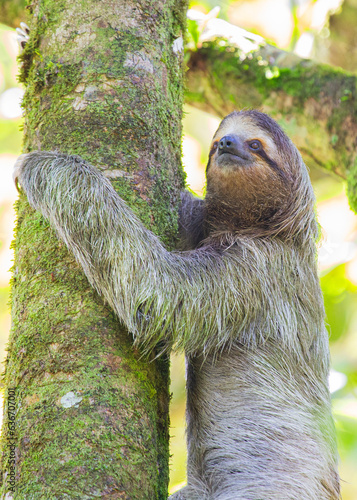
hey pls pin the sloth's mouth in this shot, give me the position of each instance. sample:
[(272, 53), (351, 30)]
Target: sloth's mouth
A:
[(235, 156)]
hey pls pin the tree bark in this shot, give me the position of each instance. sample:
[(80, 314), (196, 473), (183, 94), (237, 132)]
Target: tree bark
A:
[(104, 80)]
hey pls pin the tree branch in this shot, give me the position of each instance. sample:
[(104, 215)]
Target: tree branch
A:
[(315, 103)]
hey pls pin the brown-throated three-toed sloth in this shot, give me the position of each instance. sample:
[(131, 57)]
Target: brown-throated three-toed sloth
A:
[(242, 299)]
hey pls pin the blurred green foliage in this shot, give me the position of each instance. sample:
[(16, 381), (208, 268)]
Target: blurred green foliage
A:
[(10, 136), (340, 296)]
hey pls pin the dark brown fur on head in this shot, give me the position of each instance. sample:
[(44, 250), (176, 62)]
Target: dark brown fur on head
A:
[(264, 189)]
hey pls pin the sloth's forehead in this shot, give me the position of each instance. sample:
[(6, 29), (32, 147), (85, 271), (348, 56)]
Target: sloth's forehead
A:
[(245, 128)]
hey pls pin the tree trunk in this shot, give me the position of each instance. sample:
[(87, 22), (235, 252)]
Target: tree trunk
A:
[(86, 415)]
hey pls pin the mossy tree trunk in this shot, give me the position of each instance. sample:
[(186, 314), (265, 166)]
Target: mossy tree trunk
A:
[(104, 81)]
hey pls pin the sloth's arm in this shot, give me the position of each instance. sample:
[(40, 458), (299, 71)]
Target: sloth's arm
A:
[(197, 300)]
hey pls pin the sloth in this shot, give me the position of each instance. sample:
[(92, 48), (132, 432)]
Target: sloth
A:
[(241, 297)]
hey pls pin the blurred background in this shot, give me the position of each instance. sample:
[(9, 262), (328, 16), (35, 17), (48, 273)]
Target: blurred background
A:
[(324, 30)]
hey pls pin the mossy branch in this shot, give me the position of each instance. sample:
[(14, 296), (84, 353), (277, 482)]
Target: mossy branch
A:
[(316, 104)]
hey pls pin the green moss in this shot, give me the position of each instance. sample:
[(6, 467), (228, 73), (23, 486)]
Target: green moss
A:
[(303, 81), (31, 49)]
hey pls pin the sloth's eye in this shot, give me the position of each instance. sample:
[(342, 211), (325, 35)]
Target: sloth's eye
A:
[(255, 145), (214, 146)]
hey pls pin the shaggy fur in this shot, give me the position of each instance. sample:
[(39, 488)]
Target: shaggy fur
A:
[(243, 301)]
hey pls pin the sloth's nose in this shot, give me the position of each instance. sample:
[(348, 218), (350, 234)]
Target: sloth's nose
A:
[(227, 143), (233, 145)]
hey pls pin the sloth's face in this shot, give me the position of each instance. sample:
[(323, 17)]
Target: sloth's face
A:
[(249, 165), (240, 143)]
